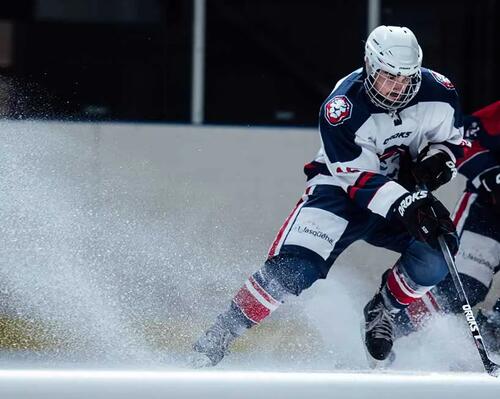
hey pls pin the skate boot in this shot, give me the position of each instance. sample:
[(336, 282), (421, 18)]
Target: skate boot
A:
[(378, 328), (212, 346)]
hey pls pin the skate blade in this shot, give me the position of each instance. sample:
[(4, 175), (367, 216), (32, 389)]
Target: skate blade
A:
[(373, 363), (199, 361)]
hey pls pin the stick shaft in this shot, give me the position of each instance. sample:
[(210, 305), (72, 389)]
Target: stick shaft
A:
[(491, 367)]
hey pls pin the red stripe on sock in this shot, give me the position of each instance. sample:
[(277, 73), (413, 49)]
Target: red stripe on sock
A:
[(397, 292), (261, 291), (250, 306), (418, 311), (433, 301)]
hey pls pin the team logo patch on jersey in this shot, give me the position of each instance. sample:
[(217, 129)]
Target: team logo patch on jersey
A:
[(337, 110), (443, 80)]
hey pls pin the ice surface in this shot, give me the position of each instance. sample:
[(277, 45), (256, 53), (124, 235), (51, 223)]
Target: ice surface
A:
[(109, 259)]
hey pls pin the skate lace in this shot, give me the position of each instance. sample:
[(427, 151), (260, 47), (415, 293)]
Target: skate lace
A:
[(382, 323), (220, 337)]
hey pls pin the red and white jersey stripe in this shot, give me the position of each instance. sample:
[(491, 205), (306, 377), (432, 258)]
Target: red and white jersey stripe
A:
[(285, 228), (462, 209)]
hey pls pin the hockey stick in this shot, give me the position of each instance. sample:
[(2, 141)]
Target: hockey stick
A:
[(491, 367)]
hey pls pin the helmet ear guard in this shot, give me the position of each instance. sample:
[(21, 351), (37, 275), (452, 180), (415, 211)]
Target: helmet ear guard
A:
[(392, 52)]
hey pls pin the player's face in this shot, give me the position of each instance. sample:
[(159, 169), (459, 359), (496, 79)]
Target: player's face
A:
[(390, 86)]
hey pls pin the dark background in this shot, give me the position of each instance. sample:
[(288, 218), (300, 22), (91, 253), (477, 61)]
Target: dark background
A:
[(268, 62)]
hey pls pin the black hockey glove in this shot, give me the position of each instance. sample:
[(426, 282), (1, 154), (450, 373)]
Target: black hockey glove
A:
[(490, 186), (434, 170), (426, 219)]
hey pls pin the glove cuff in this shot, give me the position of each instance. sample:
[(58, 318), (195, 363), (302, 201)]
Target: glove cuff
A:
[(436, 148)]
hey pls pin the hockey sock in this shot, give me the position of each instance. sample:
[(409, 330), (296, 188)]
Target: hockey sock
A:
[(259, 297), (421, 309), (400, 290)]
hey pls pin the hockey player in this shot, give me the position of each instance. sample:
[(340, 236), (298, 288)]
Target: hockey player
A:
[(374, 117), (477, 220)]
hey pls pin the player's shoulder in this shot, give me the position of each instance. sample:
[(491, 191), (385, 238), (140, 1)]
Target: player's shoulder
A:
[(436, 87), (345, 106)]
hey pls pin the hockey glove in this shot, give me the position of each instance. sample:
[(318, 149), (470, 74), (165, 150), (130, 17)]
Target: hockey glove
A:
[(490, 186), (426, 219), (434, 169)]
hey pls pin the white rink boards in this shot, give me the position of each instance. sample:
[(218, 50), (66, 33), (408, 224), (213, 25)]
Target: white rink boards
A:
[(20, 384)]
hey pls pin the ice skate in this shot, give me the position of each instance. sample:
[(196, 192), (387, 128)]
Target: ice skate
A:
[(212, 346), (378, 333)]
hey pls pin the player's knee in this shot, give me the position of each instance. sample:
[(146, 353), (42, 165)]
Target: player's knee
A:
[(293, 273), (425, 265)]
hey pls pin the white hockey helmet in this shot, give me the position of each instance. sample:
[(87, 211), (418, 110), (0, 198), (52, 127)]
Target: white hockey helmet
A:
[(393, 60)]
